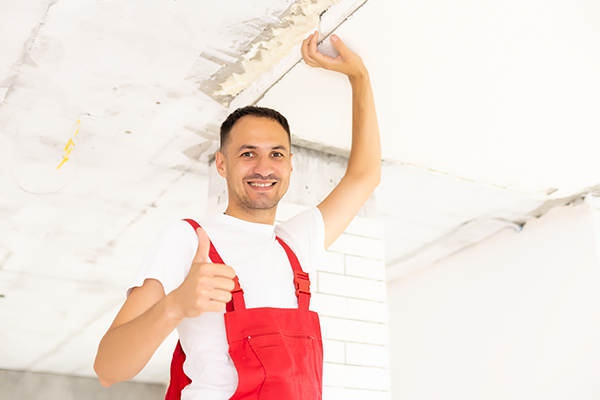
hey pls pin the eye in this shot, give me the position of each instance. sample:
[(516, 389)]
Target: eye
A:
[(247, 154), (277, 154)]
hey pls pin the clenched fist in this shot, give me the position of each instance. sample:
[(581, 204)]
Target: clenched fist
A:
[(207, 287)]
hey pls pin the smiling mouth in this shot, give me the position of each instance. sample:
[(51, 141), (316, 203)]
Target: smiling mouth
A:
[(261, 184)]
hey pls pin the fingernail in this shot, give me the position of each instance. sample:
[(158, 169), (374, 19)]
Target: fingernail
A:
[(334, 38)]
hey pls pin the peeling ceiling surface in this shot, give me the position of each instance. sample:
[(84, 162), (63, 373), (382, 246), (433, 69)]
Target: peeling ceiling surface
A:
[(109, 112)]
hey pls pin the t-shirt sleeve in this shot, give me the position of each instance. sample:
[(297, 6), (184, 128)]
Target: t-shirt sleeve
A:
[(169, 258), (305, 234)]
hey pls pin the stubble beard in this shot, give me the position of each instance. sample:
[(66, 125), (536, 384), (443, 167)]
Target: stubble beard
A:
[(258, 205), (249, 206)]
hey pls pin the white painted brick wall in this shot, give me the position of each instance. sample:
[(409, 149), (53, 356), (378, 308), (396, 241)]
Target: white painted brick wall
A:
[(334, 351), (364, 267), (358, 377), (367, 310), (361, 246), (343, 307), (349, 293), (354, 331), (334, 263), (351, 287), (367, 354), (338, 393)]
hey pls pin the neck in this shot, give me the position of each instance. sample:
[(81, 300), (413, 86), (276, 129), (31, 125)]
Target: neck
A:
[(256, 216)]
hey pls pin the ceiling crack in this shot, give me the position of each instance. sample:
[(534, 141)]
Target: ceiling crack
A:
[(75, 333), (437, 171), (145, 210), (27, 46), (517, 224)]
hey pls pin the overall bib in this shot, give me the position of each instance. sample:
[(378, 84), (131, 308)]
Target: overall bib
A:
[(277, 352)]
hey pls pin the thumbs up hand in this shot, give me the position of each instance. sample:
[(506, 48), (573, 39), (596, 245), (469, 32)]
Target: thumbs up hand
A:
[(203, 247), (207, 287)]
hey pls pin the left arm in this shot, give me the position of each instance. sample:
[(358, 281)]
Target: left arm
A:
[(363, 173)]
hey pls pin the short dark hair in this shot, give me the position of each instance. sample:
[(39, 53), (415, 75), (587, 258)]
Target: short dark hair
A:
[(261, 112)]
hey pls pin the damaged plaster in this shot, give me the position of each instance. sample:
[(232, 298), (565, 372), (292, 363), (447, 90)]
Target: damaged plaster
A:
[(274, 43)]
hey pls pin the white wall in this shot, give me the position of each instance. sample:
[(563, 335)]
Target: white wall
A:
[(514, 317)]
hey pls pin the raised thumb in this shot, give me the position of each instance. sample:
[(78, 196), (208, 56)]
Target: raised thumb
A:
[(203, 247)]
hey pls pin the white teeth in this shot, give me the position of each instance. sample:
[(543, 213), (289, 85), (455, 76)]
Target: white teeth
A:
[(260, 184)]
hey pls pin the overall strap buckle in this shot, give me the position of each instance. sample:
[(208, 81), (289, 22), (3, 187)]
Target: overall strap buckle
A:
[(236, 287), (301, 282), (237, 297)]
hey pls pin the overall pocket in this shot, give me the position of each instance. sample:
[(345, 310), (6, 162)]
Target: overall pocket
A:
[(292, 365)]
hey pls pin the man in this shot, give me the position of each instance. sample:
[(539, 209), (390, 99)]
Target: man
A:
[(184, 284)]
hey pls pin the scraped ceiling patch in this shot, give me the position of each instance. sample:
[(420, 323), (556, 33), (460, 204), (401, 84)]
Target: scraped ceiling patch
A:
[(267, 49)]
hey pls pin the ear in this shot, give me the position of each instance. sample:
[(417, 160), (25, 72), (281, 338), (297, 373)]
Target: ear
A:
[(221, 164)]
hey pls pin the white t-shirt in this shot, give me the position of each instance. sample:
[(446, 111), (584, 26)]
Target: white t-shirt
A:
[(264, 273)]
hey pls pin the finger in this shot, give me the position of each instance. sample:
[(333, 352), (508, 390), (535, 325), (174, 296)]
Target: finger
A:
[(215, 306), (311, 62), (304, 47), (223, 284), (320, 59), (340, 46), (312, 47), (222, 270), (203, 247), (313, 58), (209, 270), (222, 296)]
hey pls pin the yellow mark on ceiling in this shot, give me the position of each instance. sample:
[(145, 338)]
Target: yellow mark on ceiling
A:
[(68, 147)]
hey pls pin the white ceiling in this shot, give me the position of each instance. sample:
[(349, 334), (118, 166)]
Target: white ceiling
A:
[(488, 112)]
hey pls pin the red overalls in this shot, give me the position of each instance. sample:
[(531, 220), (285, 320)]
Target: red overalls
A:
[(277, 352)]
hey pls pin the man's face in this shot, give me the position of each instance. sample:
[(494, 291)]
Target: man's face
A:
[(257, 164)]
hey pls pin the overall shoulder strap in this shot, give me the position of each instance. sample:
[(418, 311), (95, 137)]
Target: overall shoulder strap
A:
[(237, 294), (301, 279)]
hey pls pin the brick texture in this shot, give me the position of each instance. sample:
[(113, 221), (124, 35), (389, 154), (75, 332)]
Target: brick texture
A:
[(350, 297), (349, 293)]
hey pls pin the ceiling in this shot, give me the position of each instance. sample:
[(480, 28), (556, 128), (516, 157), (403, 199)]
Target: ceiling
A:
[(488, 114)]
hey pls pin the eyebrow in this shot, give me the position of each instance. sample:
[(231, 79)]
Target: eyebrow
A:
[(252, 147)]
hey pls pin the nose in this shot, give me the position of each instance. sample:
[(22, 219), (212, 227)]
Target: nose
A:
[(263, 166)]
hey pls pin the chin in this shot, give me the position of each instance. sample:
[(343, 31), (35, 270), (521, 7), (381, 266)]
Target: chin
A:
[(262, 204)]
